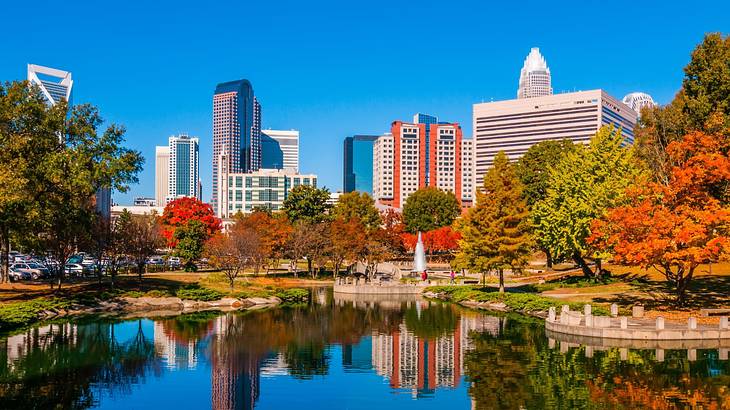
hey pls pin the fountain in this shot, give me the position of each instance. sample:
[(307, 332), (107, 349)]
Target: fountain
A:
[(419, 256)]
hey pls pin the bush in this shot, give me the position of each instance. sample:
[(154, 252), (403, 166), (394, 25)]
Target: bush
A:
[(293, 295), (195, 292)]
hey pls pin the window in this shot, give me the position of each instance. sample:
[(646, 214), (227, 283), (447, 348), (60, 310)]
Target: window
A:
[(239, 182)]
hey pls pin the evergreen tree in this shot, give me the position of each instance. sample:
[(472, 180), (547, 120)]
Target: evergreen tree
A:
[(495, 233), (582, 187)]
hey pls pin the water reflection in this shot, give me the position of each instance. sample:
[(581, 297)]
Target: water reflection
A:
[(354, 352)]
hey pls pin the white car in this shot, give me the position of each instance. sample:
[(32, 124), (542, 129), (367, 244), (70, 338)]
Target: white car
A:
[(17, 274), (73, 268)]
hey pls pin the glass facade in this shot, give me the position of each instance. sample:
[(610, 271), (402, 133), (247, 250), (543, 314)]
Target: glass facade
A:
[(272, 156), (358, 163)]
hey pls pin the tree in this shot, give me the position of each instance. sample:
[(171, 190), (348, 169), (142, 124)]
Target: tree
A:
[(347, 240), (233, 252), (582, 187), (376, 249), (359, 206), (430, 208), (674, 228), (393, 230), (306, 203), (702, 104), (496, 232), (272, 231), (533, 170), (189, 242), (142, 239), (182, 211)]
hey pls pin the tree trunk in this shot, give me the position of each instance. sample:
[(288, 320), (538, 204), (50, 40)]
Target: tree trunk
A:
[(5, 270), (549, 259), (484, 278), (682, 284), (309, 266), (578, 259), (501, 280)]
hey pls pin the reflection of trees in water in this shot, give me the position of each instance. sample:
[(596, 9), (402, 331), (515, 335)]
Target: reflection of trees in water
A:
[(432, 321), (62, 364), (516, 369)]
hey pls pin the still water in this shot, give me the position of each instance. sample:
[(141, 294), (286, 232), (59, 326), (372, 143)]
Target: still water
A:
[(341, 353)]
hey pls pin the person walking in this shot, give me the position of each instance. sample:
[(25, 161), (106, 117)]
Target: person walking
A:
[(453, 277)]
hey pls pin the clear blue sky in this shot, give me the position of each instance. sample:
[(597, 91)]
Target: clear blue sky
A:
[(333, 69)]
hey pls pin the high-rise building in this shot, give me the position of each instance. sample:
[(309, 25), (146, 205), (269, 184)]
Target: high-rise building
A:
[(406, 160), (534, 76), (513, 126), (637, 101), (265, 188), (236, 129), (184, 179), (280, 149), (162, 174), (467, 172), (55, 84), (357, 173), (427, 120)]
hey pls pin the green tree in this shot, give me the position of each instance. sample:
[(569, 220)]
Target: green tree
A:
[(533, 170), (583, 186), (496, 232), (190, 239), (358, 206), (702, 104), (307, 203), (428, 209)]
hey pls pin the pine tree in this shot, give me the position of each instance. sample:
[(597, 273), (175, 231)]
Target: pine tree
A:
[(496, 232)]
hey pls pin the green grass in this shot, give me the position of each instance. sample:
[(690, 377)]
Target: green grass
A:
[(523, 302), (16, 315), (195, 292)]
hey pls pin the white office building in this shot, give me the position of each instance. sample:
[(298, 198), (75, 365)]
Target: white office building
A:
[(288, 145), (513, 126), (55, 84), (162, 174), (535, 76)]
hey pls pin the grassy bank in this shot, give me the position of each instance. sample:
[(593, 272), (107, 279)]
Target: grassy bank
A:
[(517, 302), (31, 306)]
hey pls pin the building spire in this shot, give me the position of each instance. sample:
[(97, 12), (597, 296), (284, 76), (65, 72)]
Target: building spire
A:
[(535, 78)]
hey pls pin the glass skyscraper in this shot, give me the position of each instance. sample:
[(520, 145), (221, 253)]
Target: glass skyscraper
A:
[(236, 129), (358, 163)]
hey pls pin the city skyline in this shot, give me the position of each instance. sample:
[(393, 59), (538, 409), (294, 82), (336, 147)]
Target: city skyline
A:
[(342, 88)]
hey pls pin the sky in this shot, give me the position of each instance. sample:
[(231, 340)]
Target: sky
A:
[(332, 69)]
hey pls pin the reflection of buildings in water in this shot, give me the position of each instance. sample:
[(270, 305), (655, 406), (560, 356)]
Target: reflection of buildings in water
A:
[(358, 358), (274, 365), (39, 338), (234, 376), (319, 296), (176, 354), (421, 364)]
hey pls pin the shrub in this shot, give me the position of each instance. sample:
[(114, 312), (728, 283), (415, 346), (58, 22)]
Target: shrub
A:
[(20, 314), (293, 295), (195, 292)]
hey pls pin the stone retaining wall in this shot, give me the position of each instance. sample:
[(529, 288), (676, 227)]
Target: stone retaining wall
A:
[(371, 289)]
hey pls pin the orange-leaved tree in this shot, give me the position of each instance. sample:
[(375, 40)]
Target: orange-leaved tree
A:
[(273, 231), (675, 227)]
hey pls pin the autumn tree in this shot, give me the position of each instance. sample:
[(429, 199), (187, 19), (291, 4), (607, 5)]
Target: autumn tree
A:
[(496, 232), (272, 230), (702, 104), (359, 206), (533, 170), (142, 239), (673, 228), (430, 208), (306, 203), (582, 187), (234, 251), (181, 211), (393, 230), (346, 242)]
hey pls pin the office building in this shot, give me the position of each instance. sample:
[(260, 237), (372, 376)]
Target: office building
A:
[(280, 149), (162, 174), (513, 126), (535, 76), (406, 160), (267, 188), (357, 173), (184, 179), (467, 172), (638, 101), (55, 84), (144, 201), (236, 129)]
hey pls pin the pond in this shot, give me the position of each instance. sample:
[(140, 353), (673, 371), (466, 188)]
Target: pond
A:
[(341, 353)]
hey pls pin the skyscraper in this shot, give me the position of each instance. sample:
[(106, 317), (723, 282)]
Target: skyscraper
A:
[(162, 174), (513, 126), (55, 84), (357, 173), (184, 167), (236, 129), (637, 101), (406, 160), (535, 76), (280, 149)]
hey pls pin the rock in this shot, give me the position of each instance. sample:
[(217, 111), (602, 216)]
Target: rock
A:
[(261, 301)]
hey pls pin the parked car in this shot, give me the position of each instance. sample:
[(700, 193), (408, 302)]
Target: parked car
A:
[(155, 260), (73, 269), (17, 274), (173, 262), (34, 270)]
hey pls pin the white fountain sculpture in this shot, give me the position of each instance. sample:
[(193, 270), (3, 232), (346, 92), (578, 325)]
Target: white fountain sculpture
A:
[(419, 257)]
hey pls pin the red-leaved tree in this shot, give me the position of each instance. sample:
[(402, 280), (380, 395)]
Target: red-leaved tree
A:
[(674, 228), (181, 211)]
